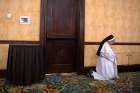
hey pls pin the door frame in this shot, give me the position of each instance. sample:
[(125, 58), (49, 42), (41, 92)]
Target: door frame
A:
[(80, 44)]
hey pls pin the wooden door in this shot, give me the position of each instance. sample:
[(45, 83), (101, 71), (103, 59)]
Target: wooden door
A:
[(61, 35)]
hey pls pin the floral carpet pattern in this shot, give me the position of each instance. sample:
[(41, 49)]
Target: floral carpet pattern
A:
[(73, 83)]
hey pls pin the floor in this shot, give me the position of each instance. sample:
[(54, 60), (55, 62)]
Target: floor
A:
[(73, 83)]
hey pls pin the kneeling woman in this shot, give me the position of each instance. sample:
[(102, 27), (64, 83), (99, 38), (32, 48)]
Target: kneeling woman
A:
[(106, 67)]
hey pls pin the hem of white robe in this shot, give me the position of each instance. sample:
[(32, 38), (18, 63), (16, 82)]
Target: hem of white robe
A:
[(97, 76)]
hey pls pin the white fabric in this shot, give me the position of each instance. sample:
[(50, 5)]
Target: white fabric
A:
[(106, 67), (97, 76)]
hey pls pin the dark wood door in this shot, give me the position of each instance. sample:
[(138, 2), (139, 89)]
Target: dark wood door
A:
[(61, 35), (61, 19)]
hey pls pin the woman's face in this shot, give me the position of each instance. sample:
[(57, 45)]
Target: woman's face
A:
[(111, 42)]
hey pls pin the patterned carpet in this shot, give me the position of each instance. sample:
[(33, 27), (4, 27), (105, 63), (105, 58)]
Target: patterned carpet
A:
[(72, 83)]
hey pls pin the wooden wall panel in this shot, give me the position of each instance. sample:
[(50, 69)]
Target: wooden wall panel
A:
[(122, 58), (61, 18), (3, 55), (118, 17), (90, 57), (125, 55), (134, 58), (10, 28)]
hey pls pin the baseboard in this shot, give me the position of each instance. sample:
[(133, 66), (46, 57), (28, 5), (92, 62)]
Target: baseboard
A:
[(129, 68), (2, 73), (121, 68)]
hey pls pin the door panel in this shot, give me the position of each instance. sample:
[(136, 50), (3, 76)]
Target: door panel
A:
[(61, 55), (61, 18), (61, 35)]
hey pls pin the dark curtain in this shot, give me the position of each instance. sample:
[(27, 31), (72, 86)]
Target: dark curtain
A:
[(25, 64)]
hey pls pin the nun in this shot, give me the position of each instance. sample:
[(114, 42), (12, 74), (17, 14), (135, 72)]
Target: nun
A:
[(106, 67)]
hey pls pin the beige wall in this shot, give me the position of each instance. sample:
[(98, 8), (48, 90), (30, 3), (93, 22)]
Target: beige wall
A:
[(10, 28), (102, 17), (125, 55), (3, 55), (117, 17)]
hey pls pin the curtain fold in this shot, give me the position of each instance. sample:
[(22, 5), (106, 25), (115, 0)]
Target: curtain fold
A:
[(25, 64)]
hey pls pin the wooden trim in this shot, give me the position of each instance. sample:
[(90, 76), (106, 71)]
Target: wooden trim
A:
[(60, 68), (42, 21), (2, 73), (18, 42), (121, 68), (126, 43), (80, 64), (91, 43), (80, 39), (128, 68), (117, 43)]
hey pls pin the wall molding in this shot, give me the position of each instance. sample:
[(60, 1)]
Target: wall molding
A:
[(2, 73), (80, 66), (117, 43), (18, 42), (121, 68)]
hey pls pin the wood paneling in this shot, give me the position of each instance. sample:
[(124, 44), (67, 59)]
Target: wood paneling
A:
[(122, 58), (121, 68), (61, 52), (134, 58), (61, 55), (61, 36), (90, 57), (80, 64), (18, 42), (61, 16), (126, 55), (3, 55), (116, 43)]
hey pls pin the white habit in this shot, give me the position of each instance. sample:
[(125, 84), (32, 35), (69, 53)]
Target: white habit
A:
[(106, 67)]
